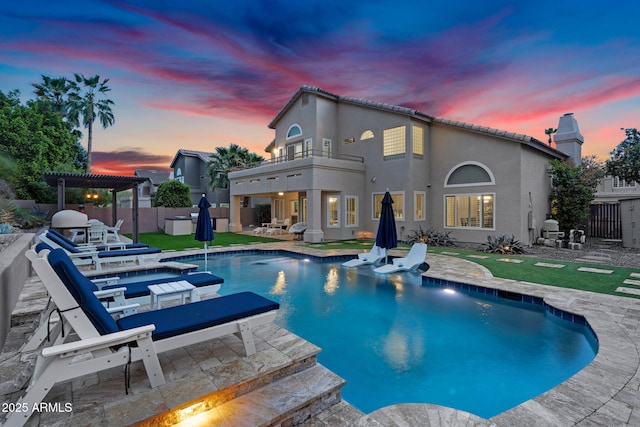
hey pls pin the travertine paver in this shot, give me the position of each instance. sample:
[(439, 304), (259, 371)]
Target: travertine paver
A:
[(631, 282), (595, 270), (511, 260), (605, 393), (549, 265)]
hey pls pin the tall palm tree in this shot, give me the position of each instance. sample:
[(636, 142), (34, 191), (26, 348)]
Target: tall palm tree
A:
[(54, 91), (550, 131), (224, 160), (87, 102)]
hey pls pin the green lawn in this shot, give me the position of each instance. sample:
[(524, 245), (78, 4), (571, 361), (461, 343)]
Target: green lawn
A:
[(566, 277), (178, 243)]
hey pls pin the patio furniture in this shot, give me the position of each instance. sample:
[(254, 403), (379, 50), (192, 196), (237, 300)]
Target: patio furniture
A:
[(413, 260), (279, 228), (89, 255), (170, 290), (374, 256), (104, 343), (298, 230), (113, 232)]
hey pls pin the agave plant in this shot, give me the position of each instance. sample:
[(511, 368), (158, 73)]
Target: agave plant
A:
[(431, 237), (506, 245)]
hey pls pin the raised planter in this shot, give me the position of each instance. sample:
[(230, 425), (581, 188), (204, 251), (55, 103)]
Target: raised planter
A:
[(15, 269)]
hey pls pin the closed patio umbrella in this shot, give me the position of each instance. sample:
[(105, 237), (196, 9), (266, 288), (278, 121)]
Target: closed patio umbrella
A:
[(204, 229), (387, 236)]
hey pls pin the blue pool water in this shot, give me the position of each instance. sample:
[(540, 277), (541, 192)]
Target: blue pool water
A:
[(398, 339)]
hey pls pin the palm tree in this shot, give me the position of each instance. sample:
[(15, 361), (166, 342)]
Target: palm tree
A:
[(86, 105), (224, 160), (550, 131), (54, 91)]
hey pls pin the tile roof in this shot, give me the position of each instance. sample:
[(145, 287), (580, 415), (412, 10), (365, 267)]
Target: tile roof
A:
[(156, 177), (205, 156), (518, 137)]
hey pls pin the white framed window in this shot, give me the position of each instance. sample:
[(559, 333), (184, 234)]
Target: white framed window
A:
[(470, 211), (468, 174), (308, 145), (326, 147), (367, 134), (418, 141), (278, 209), (398, 204), (303, 210), (621, 183), (394, 143), (419, 205), (350, 211), (333, 211), (293, 131)]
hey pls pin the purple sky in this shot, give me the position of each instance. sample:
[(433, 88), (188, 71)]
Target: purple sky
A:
[(200, 74)]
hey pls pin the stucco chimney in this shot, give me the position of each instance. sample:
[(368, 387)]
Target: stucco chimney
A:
[(568, 138)]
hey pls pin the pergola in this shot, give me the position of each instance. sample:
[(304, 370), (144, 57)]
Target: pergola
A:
[(115, 183)]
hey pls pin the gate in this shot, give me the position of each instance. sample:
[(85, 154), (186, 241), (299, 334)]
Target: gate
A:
[(605, 222)]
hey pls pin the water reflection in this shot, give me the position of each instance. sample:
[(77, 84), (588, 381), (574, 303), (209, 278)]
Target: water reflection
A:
[(331, 283), (279, 288)]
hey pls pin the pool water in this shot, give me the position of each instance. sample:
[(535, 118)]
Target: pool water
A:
[(398, 339)]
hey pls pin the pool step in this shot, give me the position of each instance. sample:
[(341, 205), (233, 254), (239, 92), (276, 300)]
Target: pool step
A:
[(287, 402)]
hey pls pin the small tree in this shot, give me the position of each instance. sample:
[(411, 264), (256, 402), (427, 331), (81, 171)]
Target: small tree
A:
[(550, 131), (173, 194), (573, 189), (625, 158)]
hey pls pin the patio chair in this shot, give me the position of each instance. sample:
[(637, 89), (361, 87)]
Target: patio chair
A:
[(119, 299), (374, 256), (89, 255), (413, 260), (113, 232), (91, 246), (298, 229), (279, 228), (104, 343)]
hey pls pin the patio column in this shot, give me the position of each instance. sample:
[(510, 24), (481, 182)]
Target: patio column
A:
[(235, 226), (314, 233)]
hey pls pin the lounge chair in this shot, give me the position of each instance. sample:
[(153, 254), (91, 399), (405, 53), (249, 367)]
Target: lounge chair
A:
[(413, 260), (89, 255), (279, 228), (91, 246), (374, 256), (104, 343)]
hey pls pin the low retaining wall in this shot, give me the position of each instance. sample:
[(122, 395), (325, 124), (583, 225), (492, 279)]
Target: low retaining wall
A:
[(15, 269)]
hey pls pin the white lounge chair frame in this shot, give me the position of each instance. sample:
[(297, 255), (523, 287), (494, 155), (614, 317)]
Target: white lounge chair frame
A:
[(413, 260), (94, 352), (374, 256)]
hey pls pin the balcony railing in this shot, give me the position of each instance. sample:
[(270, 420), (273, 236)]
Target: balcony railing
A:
[(300, 155)]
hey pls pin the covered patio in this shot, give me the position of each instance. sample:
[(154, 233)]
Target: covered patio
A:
[(115, 183)]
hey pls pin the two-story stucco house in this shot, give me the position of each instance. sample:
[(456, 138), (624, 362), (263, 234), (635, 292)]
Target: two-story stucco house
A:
[(191, 168), (334, 156)]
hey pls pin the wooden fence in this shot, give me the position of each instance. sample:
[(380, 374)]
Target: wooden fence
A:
[(605, 221)]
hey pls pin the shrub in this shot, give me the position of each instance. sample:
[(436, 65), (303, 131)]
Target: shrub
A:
[(263, 212), (6, 228), (431, 237), (506, 245), (173, 194)]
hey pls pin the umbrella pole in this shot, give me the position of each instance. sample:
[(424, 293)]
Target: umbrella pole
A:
[(205, 256)]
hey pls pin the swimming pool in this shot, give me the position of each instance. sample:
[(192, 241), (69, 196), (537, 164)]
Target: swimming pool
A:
[(400, 339)]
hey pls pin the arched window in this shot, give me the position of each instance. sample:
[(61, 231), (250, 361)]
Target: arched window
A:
[(469, 174), (294, 131), (367, 134)]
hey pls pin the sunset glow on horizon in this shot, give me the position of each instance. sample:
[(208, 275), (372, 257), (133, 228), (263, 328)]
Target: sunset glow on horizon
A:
[(201, 74)]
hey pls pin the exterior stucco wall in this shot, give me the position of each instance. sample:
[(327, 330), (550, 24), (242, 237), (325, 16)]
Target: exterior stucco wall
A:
[(536, 189), (451, 147)]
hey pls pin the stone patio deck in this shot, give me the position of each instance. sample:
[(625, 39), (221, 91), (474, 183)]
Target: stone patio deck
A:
[(605, 393)]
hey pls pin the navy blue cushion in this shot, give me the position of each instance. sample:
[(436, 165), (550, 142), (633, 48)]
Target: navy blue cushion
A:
[(62, 242), (82, 290), (128, 252), (127, 246), (42, 246), (140, 289), (185, 318)]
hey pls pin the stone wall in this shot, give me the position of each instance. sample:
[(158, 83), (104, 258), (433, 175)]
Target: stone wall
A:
[(14, 271)]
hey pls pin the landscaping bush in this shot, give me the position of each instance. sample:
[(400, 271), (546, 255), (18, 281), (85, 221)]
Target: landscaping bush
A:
[(431, 237), (173, 194), (506, 245)]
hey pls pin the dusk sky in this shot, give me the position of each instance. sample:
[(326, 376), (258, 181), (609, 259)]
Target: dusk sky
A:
[(198, 74)]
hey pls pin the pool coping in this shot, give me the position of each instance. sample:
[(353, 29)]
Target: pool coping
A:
[(603, 393)]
